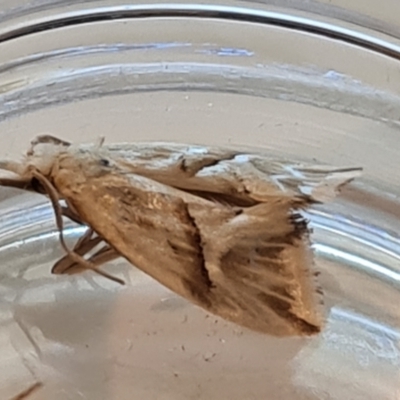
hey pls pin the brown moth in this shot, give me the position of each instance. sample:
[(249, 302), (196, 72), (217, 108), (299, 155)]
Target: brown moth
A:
[(220, 228)]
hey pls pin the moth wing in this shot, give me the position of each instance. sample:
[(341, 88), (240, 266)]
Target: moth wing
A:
[(250, 266), (149, 224), (243, 177), (261, 266)]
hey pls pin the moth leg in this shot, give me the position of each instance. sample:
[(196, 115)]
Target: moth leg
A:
[(54, 198), (24, 184), (69, 213), (84, 240), (68, 266), (85, 244)]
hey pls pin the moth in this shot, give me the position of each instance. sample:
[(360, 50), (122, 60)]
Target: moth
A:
[(221, 228)]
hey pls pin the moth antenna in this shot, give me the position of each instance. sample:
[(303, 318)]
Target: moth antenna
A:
[(53, 196), (12, 166)]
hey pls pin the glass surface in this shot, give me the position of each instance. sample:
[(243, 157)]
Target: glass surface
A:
[(314, 81)]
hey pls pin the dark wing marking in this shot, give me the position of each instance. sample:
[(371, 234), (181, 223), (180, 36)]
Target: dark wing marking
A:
[(260, 264)]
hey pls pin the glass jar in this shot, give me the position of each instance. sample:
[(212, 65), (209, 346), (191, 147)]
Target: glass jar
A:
[(315, 81)]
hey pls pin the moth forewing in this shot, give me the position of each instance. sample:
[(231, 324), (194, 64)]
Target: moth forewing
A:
[(223, 171), (149, 224), (218, 227), (212, 254)]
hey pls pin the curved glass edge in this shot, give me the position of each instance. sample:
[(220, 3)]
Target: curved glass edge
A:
[(19, 18)]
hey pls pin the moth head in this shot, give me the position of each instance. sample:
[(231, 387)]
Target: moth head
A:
[(51, 157), (78, 164), (40, 157)]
